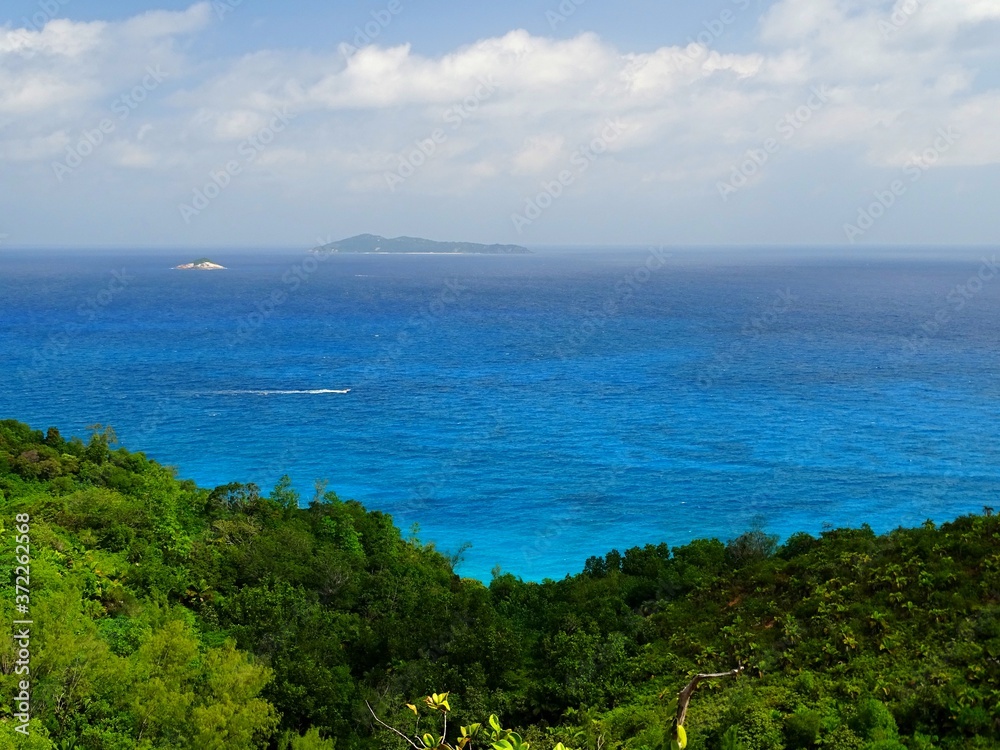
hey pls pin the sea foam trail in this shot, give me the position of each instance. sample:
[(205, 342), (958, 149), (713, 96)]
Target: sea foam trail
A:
[(280, 393)]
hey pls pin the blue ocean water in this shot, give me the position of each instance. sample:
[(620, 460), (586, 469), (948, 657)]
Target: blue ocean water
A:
[(544, 408)]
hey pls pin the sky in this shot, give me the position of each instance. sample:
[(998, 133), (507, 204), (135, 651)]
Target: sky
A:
[(247, 123)]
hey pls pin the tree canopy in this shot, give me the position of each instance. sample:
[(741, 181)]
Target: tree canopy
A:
[(173, 616)]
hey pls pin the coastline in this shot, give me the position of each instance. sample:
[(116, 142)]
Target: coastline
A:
[(370, 252)]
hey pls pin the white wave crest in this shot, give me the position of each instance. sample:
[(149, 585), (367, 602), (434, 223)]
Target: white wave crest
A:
[(281, 393)]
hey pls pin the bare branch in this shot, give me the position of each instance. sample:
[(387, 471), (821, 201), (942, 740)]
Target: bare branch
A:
[(410, 742), (684, 696)]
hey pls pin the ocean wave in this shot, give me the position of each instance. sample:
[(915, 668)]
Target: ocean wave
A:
[(315, 392)]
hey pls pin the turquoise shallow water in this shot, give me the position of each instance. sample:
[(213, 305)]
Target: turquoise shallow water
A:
[(543, 408)]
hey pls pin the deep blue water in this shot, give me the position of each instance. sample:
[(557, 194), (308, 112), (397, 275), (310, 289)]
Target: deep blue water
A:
[(544, 408)]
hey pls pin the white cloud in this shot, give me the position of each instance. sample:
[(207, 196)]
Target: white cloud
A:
[(161, 23), (538, 155), (133, 156), (512, 108), (39, 92), (58, 37), (62, 73), (39, 148)]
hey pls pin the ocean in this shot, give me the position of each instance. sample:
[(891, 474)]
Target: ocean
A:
[(543, 408)]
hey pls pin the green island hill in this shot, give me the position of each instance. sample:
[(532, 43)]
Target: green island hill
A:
[(167, 615), (374, 244)]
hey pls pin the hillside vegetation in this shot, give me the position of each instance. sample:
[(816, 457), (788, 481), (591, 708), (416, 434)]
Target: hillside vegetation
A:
[(172, 616)]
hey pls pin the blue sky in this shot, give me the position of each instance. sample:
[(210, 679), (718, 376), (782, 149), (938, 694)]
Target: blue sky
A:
[(432, 27), (251, 123)]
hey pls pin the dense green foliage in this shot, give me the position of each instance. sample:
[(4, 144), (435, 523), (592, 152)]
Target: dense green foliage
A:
[(171, 616)]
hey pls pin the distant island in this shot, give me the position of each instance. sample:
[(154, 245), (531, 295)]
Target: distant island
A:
[(372, 243), (202, 264)]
